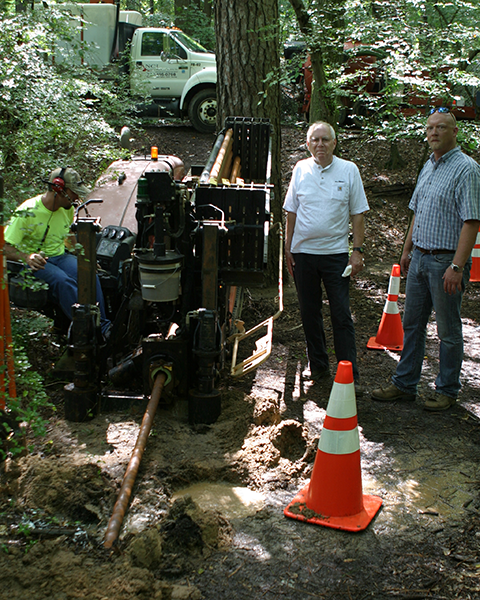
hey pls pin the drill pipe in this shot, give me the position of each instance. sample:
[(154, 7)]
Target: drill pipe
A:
[(235, 170), (211, 159), (226, 166), (221, 156), (121, 505)]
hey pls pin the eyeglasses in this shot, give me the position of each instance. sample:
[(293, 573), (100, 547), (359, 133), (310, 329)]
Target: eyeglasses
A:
[(443, 110)]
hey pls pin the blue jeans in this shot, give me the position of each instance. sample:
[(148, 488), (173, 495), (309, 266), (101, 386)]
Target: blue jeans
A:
[(309, 272), (425, 292), (60, 273)]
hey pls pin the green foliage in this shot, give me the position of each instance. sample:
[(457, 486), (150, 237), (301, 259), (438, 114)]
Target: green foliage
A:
[(426, 55), (24, 416), (195, 23), (429, 49), (150, 7), (51, 112), (158, 19)]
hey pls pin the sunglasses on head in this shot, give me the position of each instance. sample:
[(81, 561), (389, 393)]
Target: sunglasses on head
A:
[(442, 110)]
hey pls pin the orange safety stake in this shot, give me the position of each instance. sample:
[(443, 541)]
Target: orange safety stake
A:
[(475, 270), (334, 497), (390, 331), (6, 343)]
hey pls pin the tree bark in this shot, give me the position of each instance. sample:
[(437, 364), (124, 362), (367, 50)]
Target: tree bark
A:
[(395, 160), (322, 105), (248, 50)]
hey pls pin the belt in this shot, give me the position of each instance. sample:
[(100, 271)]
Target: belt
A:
[(440, 251)]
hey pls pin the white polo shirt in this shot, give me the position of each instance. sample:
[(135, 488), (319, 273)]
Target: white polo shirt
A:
[(323, 200)]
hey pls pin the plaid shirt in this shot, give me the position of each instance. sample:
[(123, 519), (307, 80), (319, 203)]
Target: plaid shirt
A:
[(446, 195)]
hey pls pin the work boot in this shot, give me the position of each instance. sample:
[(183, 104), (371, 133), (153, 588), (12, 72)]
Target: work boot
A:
[(392, 394), (359, 389), (439, 402), (316, 374)]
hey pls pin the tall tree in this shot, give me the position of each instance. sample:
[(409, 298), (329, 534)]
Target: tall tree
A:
[(248, 50), (321, 25)]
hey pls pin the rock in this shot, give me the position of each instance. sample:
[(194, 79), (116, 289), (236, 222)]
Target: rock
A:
[(145, 550), (266, 412), (183, 592)]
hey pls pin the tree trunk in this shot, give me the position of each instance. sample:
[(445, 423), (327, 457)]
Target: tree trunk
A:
[(395, 160), (207, 9), (322, 106), (247, 52)]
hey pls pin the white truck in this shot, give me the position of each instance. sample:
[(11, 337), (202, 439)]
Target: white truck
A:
[(175, 73)]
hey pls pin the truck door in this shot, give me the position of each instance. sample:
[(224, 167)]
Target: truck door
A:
[(162, 65)]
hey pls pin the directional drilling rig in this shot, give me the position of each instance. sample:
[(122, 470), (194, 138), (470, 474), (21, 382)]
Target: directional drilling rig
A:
[(175, 253)]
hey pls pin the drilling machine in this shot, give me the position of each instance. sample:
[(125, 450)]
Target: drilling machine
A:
[(174, 262)]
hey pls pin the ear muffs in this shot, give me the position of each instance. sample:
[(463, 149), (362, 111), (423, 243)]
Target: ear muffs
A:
[(58, 184)]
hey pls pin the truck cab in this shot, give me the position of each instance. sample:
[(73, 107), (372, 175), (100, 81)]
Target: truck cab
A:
[(177, 73), (171, 75)]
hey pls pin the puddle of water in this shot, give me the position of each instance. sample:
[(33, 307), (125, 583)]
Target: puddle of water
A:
[(233, 502)]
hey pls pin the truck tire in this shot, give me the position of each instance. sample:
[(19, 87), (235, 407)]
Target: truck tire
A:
[(202, 111), (360, 113)]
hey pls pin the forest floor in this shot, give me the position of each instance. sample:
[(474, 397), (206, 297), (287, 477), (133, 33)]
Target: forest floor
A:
[(206, 517)]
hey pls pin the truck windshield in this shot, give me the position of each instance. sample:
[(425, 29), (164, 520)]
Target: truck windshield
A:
[(188, 42)]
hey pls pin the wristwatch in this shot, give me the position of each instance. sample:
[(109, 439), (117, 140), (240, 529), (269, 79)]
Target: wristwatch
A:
[(358, 249), (456, 268)]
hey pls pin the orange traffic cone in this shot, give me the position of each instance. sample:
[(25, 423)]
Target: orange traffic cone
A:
[(333, 497), (475, 270), (390, 331)]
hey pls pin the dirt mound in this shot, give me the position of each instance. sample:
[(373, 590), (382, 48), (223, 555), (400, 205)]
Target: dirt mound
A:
[(76, 492)]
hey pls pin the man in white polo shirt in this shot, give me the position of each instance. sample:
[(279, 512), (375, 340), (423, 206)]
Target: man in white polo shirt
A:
[(325, 194)]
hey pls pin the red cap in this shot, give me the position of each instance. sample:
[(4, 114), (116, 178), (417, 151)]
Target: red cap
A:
[(396, 271)]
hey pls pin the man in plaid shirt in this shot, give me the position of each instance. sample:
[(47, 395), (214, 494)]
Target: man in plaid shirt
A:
[(436, 259)]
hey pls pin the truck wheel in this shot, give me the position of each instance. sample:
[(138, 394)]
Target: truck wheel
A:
[(342, 116), (360, 113), (202, 111)]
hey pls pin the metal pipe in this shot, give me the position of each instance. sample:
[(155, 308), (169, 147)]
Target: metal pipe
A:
[(205, 176), (235, 170), (222, 154), (121, 505)]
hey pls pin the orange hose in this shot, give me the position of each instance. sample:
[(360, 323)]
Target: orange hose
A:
[(121, 505)]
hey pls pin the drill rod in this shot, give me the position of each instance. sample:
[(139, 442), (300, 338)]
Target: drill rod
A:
[(121, 505)]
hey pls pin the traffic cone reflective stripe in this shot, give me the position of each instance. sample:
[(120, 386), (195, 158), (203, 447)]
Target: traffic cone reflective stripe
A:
[(390, 331), (475, 270), (339, 441), (334, 494), (394, 284)]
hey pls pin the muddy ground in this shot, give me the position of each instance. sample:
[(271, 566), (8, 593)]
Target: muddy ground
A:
[(228, 538)]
